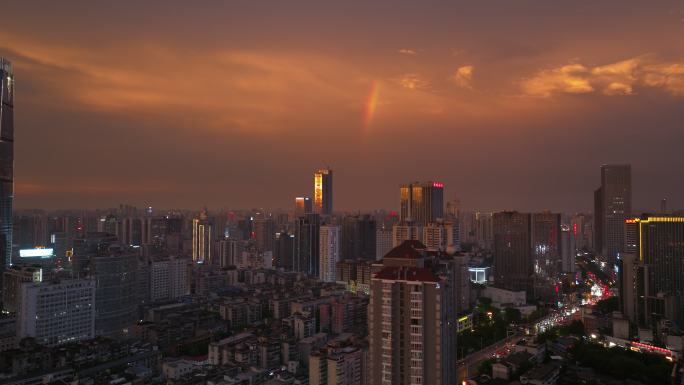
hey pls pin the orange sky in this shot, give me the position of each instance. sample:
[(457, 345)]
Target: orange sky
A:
[(175, 104)]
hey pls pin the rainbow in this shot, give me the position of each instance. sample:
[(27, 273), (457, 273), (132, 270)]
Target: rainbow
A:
[(371, 104)]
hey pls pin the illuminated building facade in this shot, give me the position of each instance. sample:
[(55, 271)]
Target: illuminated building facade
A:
[(612, 205), (202, 240), (421, 202), (55, 313), (302, 206), (6, 161), (323, 192), (652, 274)]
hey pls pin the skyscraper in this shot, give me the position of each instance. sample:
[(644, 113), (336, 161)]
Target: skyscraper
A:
[(302, 206), (421, 203), (329, 252), (264, 234), (612, 205), (512, 250), (6, 161), (652, 269), (358, 238), (307, 233), (411, 320), (546, 243), (323, 191)]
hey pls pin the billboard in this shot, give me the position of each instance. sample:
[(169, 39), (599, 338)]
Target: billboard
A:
[(36, 253)]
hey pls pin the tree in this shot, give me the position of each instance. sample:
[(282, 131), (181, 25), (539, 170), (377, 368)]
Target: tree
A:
[(512, 315), (486, 367)]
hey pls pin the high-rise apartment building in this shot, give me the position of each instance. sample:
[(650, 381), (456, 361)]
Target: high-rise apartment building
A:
[(323, 192), (337, 365), (439, 236), (383, 241), (6, 161), (421, 203), (612, 205), (513, 266), (411, 320), (329, 252), (56, 313), (202, 239), (284, 251), (406, 231)]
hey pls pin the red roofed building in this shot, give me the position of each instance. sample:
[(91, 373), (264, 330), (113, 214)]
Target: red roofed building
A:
[(411, 319)]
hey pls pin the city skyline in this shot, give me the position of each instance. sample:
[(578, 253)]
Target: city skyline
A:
[(504, 122)]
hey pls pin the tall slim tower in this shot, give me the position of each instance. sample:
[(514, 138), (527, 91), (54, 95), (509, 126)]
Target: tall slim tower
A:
[(329, 252), (202, 241), (6, 161), (613, 204), (323, 191)]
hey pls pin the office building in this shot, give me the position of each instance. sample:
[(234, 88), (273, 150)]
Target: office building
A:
[(264, 234), (421, 203), (307, 233), (546, 243), (6, 161), (358, 238), (329, 252), (303, 205), (612, 205), (55, 313), (284, 251), (652, 272), (202, 239), (568, 250), (229, 251), (323, 192), (169, 278), (411, 320), (513, 267), (12, 280)]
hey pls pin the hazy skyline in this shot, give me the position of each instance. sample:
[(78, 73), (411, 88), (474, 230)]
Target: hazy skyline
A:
[(512, 105)]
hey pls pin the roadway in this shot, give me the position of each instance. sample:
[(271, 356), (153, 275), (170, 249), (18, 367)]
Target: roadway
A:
[(468, 366)]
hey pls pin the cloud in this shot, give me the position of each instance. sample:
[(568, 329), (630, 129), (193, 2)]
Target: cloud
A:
[(463, 76), (619, 78), (406, 51), (570, 79), (412, 81)]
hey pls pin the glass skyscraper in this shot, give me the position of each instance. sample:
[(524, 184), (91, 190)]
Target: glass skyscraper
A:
[(323, 192), (6, 161)]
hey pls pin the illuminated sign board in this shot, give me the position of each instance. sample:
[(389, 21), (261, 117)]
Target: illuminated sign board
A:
[(36, 253)]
